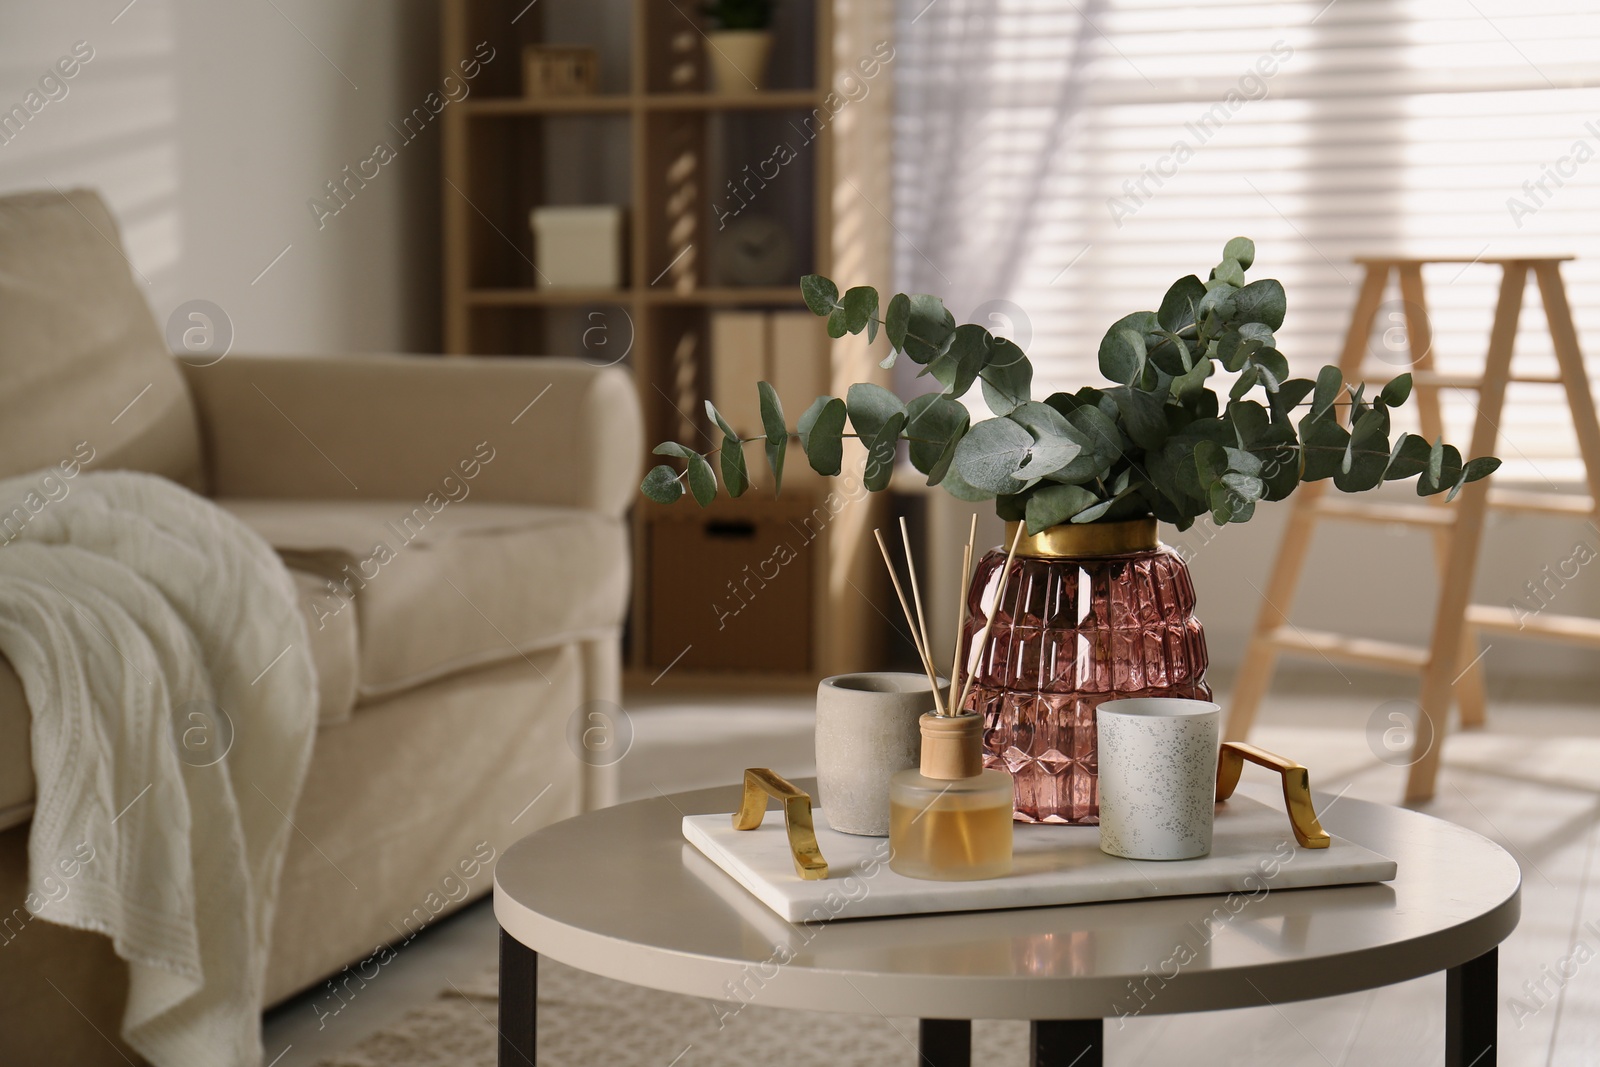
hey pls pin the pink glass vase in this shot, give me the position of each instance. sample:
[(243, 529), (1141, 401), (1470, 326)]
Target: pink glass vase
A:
[(1091, 613)]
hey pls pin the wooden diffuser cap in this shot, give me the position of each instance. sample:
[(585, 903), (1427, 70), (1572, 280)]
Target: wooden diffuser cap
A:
[(952, 746)]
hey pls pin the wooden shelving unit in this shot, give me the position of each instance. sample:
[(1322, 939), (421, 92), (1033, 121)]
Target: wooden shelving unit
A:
[(656, 140)]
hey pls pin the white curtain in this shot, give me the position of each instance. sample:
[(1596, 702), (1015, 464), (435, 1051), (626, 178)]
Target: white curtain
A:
[(1058, 163)]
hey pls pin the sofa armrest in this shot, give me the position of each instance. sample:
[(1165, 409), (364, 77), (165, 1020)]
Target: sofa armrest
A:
[(535, 430)]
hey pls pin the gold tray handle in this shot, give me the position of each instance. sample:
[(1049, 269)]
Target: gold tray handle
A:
[(1296, 788), (759, 784)]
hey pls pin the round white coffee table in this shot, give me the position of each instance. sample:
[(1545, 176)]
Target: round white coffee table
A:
[(619, 893)]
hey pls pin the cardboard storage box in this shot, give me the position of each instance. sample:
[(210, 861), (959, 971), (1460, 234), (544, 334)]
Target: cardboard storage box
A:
[(578, 247), (733, 589)]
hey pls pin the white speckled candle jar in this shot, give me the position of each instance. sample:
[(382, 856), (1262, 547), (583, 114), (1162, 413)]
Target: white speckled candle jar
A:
[(1158, 777)]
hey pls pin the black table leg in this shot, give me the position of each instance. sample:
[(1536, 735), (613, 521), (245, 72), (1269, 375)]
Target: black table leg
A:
[(519, 992), (945, 1043), (1469, 1011), (1067, 1043)]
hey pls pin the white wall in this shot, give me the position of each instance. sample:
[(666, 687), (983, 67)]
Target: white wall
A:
[(207, 126)]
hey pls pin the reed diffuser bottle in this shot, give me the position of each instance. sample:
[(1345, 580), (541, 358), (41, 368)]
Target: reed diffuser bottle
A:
[(951, 820)]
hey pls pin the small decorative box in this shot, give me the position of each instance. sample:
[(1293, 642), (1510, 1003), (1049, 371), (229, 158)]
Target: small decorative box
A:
[(578, 247), (559, 70)]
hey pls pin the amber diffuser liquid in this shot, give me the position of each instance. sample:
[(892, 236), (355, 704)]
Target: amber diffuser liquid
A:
[(951, 830)]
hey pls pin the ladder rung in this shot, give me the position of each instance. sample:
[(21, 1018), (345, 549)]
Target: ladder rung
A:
[(1362, 511), (1385, 655), (1440, 380), (1571, 628), (1544, 503)]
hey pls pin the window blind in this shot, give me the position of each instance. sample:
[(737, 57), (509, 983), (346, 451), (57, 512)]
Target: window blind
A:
[(1058, 163)]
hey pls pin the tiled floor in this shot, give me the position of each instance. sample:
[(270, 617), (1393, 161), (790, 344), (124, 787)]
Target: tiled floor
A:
[(1531, 782)]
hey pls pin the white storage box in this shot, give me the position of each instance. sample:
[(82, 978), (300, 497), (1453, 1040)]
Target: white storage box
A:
[(578, 247)]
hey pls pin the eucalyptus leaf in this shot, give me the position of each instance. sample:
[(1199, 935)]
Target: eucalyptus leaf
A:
[(734, 474), (1272, 366), (702, 480), (1397, 391), (662, 485), (1122, 349), (777, 431), (1330, 383), (1143, 416), (1052, 505), (1263, 301), (1322, 444), (929, 326), (1221, 301), (1188, 385), (1008, 379), (1289, 395), (1444, 470), (1250, 421), (1473, 471), (870, 407), (990, 453), (1168, 351), (821, 434), (1057, 443), (970, 348), (1178, 307), (721, 423), (673, 448), (1241, 250), (897, 319), (1229, 271), (934, 425), (1246, 487), (1101, 433), (881, 453), (860, 306), (1408, 458), (1097, 512), (961, 489), (820, 294)]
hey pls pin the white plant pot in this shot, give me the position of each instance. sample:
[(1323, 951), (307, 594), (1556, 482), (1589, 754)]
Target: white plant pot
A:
[(868, 728), (738, 60)]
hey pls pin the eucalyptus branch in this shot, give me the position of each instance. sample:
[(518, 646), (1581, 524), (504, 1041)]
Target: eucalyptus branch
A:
[(1153, 441)]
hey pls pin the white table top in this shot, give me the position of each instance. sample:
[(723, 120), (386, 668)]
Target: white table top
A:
[(619, 893)]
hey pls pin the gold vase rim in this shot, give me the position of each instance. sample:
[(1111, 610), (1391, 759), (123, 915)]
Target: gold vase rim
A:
[(1070, 540)]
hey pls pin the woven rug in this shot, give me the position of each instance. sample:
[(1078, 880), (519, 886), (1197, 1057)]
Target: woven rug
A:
[(585, 1020)]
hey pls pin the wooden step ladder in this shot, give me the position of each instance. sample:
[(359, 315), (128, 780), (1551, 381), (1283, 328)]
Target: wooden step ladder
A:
[(1451, 666)]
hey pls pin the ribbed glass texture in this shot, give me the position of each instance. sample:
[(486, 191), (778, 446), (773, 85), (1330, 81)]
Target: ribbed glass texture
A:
[(1071, 634)]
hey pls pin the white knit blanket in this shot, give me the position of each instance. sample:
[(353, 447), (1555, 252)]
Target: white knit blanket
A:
[(132, 609)]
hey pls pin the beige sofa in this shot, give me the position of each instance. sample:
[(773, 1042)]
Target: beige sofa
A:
[(456, 530)]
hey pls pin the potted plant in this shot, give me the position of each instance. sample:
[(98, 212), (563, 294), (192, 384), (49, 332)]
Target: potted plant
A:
[(1096, 607), (738, 44)]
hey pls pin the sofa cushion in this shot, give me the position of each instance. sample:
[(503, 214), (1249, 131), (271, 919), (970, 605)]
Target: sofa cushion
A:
[(445, 586), (85, 375), (333, 651)]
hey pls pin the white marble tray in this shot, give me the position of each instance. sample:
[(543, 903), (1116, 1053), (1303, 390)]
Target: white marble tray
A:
[(1252, 852)]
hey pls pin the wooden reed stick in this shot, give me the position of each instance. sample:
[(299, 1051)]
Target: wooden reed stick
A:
[(916, 596), (988, 624), (905, 606), (965, 585)]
